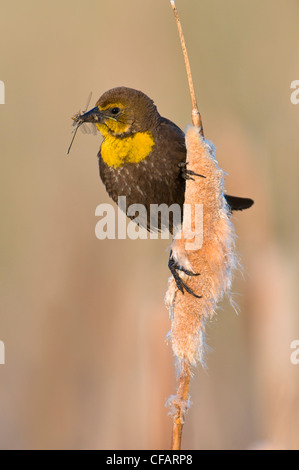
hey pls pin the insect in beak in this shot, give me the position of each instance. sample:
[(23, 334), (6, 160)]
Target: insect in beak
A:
[(84, 117)]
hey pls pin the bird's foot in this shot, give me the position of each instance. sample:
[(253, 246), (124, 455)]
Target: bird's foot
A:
[(181, 285), (187, 174)]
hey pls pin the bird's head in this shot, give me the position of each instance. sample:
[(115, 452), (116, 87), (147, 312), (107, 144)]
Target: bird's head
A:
[(123, 111)]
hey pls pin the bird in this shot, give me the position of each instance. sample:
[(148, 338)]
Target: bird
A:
[(143, 155)]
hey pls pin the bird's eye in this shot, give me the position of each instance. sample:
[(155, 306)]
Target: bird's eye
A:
[(115, 111)]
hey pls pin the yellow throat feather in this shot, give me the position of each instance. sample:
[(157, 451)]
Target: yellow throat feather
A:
[(116, 151)]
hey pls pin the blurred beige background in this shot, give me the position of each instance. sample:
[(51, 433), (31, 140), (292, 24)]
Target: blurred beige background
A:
[(83, 320)]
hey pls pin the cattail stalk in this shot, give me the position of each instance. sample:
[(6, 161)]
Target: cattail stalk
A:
[(181, 399), (204, 246), (196, 116)]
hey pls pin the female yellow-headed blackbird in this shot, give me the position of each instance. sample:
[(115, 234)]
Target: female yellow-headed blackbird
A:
[(143, 155)]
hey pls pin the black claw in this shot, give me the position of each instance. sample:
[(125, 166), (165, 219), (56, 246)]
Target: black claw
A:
[(181, 285), (190, 172), (190, 291), (186, 174), (186, 271), (189, 273)]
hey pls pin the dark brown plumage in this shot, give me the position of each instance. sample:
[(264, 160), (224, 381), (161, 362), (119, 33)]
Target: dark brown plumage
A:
[(160, 177)]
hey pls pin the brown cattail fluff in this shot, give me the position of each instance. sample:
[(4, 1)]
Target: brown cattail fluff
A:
[(205, 245)]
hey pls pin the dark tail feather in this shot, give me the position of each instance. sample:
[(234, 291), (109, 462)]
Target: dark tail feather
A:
[(238, 203)]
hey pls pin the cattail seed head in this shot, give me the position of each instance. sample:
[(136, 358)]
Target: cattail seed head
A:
[(215, 260)]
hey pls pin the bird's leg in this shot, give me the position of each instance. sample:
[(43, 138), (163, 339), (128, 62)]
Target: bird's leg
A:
[(187, 174), (181, 285)]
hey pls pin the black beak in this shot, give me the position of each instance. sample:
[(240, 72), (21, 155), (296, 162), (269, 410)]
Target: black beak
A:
[(94, 115)]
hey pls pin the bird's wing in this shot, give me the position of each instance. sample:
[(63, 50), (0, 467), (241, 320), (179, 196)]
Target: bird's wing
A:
[(238, 203)]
